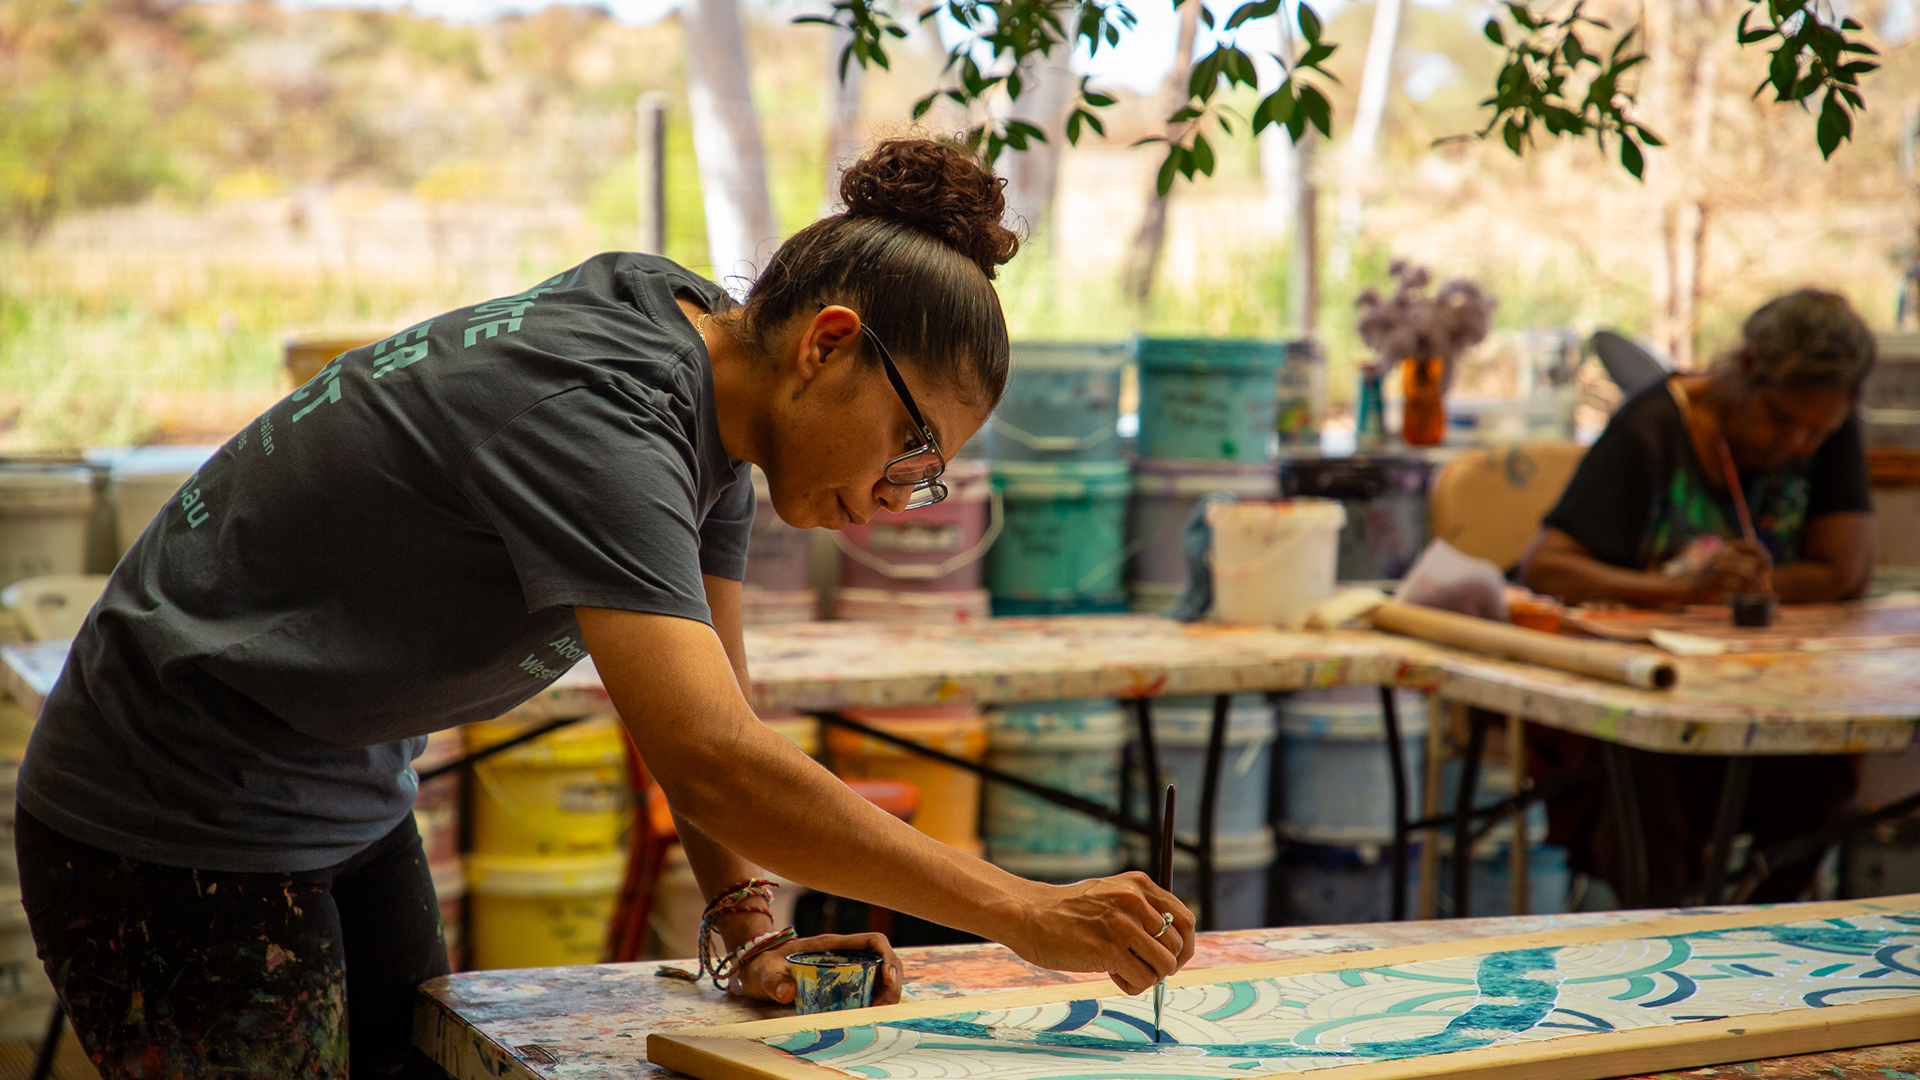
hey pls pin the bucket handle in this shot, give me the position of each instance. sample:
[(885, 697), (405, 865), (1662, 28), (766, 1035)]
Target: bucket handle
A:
[(1106, 566), (1055, 443), (929, 571), (1252, 565)]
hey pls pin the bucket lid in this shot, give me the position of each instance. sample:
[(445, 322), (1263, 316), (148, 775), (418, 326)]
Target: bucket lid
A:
[(1055, 866), (1093, 723), (1328, 512), (35, 487), (546, 875), (1185, 721), (1354, 715), (1201, 354), (596, 740), (1063, 480), (1160, 476), (1069, 355)]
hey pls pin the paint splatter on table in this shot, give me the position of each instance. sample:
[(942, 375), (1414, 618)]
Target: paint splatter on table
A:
[(591, 1022), (1828, 701), (1890, 623)]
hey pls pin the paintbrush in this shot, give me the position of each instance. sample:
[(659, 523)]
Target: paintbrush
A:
[(1731, 476), (1165, 881)]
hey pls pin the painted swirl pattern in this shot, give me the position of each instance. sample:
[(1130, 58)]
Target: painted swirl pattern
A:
[(1306, 1022)]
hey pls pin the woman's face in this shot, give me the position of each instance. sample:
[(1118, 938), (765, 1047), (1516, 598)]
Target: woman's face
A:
[(1770, 426), (837, 421)]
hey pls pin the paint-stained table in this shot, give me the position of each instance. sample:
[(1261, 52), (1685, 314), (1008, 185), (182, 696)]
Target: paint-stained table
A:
[(591, 1022), (1807, 698)]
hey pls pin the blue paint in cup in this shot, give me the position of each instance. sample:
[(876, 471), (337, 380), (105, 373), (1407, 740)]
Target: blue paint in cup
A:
[(833, 979)]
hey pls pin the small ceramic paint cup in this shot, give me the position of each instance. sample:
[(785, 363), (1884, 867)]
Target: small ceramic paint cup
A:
[(833, 979), (1752, 609)]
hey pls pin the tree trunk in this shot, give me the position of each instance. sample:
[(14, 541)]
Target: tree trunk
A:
[(1683, 99), (845, 140), (1033, 175), (1376, 85), (726, 138), (1144, 258)]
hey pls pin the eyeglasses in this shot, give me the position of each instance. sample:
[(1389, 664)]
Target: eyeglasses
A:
[(920, 467)]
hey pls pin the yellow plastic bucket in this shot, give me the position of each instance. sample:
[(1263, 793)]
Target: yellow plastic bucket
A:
[(949, 797), (540, 912), (564, 793)]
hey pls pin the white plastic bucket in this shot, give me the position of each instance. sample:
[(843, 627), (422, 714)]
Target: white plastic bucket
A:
[(43, 520), (1274, 561), (1181, 729), (144, 481), (1336, 781)]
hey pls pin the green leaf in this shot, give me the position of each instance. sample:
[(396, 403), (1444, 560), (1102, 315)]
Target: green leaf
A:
[(1203, 154), (1259, 9), (1631, 159), (920, 107), (1834, 126), (1098, 101), (1310, 24), (1317, 109), (1493, 32), (1073, 127), (1164, 182), (1849, 24)]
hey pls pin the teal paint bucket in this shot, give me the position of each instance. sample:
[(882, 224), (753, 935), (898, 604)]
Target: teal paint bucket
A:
[(1008, 607), (1070, 745), (1062, 403), (1064, 534), (1203, 399)]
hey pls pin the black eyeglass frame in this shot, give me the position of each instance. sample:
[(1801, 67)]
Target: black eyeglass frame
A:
[(925, 490)]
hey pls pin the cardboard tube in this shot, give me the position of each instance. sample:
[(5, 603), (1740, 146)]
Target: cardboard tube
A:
[(1644, 668)]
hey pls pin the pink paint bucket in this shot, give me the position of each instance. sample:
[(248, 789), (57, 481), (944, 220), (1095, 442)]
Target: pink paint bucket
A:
[(934, 549), (916, 608)]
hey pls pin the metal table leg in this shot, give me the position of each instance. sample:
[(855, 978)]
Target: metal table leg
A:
[(1463, 813), (1726, 823), (1632, 836), (1209, 805), (50, 1046), (1397, 765)]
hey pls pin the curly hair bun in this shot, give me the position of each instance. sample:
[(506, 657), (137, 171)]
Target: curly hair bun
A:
[(937, 188)]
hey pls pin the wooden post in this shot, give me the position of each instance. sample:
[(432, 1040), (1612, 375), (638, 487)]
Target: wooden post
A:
[(650, 170), (1439, 715)]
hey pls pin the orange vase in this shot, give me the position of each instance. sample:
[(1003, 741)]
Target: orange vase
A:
[(1424, 420)]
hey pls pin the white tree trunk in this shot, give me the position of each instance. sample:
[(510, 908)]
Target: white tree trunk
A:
[(726, 138), (845, 140), (1357, 166)]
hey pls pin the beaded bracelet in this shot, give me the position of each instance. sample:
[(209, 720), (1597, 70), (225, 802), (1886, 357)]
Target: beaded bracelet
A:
[(731, 964)]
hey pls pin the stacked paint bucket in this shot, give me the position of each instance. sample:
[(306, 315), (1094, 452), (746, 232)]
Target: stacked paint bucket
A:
[(923, 566), (949, 804), (1074, 746), (1057, 470), (1243, 838), (1337, 800), (1208, 410), (546, 859), (778, 587)]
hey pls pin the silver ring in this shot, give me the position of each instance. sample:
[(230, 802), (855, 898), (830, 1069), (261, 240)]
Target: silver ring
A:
[(1166, 924)]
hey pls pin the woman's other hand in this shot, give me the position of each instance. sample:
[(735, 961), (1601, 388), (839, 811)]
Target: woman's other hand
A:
[(1740, 566), (768, 978), (1109, 924)]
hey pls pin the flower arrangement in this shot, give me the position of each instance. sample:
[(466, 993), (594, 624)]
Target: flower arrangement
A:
[(1414, 325)]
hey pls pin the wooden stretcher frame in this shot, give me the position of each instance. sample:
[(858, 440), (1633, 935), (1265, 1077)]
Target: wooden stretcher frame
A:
[(735, 1052)]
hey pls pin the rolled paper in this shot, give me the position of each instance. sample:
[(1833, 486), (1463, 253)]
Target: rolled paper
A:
[(1644, 668)]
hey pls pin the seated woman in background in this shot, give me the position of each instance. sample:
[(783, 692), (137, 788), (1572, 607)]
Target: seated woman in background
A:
[(1648, 520)]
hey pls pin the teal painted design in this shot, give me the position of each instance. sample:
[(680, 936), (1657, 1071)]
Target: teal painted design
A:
[(1315, 1021)]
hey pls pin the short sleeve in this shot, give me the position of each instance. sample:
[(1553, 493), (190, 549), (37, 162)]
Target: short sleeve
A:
[(595, 495), (1608, 504), (1837, 480), (728, 527)]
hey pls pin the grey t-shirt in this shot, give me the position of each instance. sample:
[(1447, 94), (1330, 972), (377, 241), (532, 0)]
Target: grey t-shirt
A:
[(393, 549)]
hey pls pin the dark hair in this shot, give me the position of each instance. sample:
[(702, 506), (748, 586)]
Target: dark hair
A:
[(915, 254), (1807, 339)]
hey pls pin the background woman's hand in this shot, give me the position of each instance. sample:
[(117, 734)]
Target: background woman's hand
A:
[(1108, 924), (767, 977), (1740, 566)]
